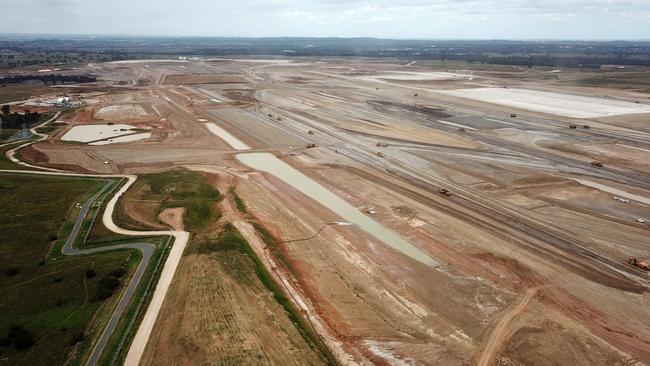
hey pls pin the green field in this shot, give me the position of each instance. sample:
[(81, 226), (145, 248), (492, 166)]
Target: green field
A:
[(51, 298), (54, 306), (639, 81)]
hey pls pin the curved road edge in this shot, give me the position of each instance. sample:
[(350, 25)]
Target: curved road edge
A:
[(147, 250), (181, 238)]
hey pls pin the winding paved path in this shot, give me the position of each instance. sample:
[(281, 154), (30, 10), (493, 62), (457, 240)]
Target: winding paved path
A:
[(180, 241)]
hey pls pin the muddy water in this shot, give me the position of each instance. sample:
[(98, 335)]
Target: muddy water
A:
[(231, 140), (269, 163)]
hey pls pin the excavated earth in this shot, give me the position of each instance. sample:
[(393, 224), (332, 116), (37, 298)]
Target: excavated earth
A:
[(532, 263)]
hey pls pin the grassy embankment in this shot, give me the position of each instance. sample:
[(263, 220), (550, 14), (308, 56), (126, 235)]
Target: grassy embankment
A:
[(238, 259), (231, 240), (264, 234), (155, 192)]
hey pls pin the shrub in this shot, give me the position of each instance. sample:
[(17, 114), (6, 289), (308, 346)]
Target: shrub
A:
[(11, 271), (118, 272), (90, 273), (5, 342), (77, 337), (23, 339), (107, 287)]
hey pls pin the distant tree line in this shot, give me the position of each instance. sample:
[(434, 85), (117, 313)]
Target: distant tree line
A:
[(16, 120), (49, 79), (584, 54)]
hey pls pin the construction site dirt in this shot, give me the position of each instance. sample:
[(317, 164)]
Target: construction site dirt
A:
[(531, 249)]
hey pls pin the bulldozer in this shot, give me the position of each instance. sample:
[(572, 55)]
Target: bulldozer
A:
[(597, 163), (444, 191), (310, 145), (639, 263)]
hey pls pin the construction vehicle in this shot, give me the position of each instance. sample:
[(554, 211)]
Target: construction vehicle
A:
[(639, 263), (597, 163), (382, 144), (572, 126), (512, 115), (444, 191), (310, 132), (310, 145), (380, 154), (461, 129), (586, 127), (640, 220)]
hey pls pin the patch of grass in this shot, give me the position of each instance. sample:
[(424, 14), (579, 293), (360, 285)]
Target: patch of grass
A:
[(182, 188), (615, 79), (7, 133), (64, 301), (239, 203), (16, 92), (50, 299), (240, 261)]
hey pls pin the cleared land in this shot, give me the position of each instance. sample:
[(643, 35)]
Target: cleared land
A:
[(552, 103), (533, 265)]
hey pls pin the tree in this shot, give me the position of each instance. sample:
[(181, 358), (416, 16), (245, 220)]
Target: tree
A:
[(23, 339), (6, 109)]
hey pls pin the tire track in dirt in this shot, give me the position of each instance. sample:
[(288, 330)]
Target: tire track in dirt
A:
[(502, 331)]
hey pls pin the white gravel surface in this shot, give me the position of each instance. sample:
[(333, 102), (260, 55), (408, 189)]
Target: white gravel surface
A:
[(567, 105)]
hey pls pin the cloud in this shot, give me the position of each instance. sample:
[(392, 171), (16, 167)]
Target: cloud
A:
[(379, 18)]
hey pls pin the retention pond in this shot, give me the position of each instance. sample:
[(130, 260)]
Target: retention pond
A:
[(271, 164)]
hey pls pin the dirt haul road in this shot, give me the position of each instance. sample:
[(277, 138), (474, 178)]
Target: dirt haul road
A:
[(386, 138)]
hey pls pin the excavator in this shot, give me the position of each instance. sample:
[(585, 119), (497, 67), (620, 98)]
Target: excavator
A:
[(639, 263)]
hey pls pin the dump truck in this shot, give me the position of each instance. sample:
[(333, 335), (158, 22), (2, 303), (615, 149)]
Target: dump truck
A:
[(380, 154), (310, 145), (444, 191), (512, 115), (572, 126), (310, 132), (586, 127), (597, 163), (461, 129), (639, 263), (382, 144)]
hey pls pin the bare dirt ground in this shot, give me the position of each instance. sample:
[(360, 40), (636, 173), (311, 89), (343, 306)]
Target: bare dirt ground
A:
[(533, 264), (173, 217)]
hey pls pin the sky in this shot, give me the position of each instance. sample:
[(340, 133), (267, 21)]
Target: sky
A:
[(413, 19)]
